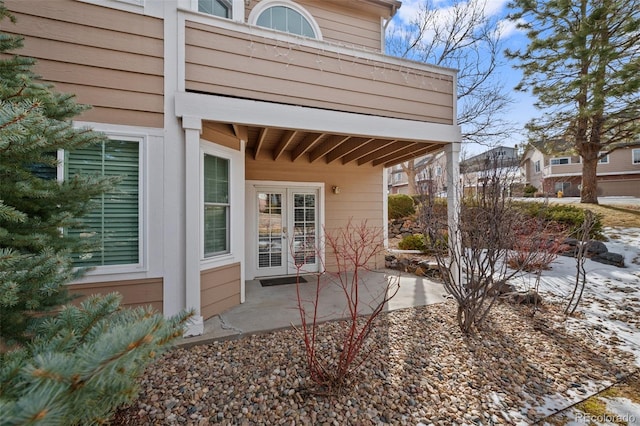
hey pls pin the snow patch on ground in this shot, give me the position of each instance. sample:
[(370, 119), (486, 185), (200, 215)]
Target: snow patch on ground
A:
[(611, 299), (609, 317)]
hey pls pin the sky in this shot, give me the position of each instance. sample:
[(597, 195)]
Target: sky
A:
[(522, 109)]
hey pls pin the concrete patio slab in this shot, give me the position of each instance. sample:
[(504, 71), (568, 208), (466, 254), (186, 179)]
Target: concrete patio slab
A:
[(276, 307)]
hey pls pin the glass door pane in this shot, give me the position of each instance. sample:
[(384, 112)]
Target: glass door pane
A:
[(305, 248), (270, 230)]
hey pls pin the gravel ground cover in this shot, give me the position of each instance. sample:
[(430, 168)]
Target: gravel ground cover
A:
[(421, 370)]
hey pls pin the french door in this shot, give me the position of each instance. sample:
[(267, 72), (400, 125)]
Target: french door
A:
[(287, 230)]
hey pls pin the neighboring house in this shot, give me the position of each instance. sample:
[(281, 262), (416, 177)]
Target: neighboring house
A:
[(245, 129), (618, 172), (502, 162), (430, 173)]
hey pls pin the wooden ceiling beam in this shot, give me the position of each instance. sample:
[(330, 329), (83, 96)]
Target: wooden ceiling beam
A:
[(388, 150), (307, 143), (419, 153), (327, 146), (261, 138), (365, 150), (285, 141), (408, 152), (242, 132), (347, 147)]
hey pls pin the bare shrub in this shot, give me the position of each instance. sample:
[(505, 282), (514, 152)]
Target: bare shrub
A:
[(333, 356), (582, 235), (538, 243), (476, 267)]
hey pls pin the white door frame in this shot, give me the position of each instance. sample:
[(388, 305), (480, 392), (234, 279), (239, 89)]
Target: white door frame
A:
[(251, 209)]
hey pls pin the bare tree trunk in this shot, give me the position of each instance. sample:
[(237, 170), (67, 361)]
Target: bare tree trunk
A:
[(409, 169), (589, 191)]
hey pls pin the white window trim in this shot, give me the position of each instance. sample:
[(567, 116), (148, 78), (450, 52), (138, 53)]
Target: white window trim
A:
[(558, 159), (143, 264), (222, 258), (237, 9), (604, 160), (266, 4), (633, 154), (145, 7), (537, 166)]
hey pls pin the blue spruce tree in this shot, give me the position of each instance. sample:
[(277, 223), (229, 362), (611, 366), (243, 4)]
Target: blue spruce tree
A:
[(59, 363)]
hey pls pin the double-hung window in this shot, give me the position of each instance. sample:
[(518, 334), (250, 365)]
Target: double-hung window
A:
[(115, 219), (216, 206), (536, 166), (635, 156)]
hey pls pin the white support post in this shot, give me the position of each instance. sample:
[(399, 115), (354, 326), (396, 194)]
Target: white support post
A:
[(452, 152), (192, 127)]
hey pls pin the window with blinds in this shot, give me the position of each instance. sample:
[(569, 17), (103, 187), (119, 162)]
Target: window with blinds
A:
[(115, 220), (216, 205)]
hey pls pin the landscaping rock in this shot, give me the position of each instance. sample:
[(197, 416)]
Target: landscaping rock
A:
[(595, 248), (571, 245), (420, 369), (528, 298), (609, 258)]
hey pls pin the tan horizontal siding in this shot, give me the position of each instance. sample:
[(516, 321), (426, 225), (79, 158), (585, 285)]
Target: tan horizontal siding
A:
[(620, 160), (110, 59), (134, 292), (219, 289), (87, 75), (226, 62), (360, 199), (124, 117), (361, 191), (340, 24)]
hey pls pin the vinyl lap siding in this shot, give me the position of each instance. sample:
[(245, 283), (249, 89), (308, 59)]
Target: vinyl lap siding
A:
[(134, 293), (360, 198), (225, 62), (112, 60), (361, 191), (219, 289), (345, 25)]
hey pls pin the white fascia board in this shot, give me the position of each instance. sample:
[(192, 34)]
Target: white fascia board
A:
[(258, 113)]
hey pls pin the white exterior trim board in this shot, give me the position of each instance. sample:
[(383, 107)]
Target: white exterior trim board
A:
[(258, 113)]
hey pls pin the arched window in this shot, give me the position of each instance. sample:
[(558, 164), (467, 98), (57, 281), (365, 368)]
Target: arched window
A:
[(285, 16), (215, 7)]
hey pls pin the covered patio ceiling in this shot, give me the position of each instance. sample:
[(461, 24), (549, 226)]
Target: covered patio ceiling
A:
[(280, 144)]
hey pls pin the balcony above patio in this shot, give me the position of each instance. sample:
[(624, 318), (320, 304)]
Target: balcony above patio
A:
[(238, 61)]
